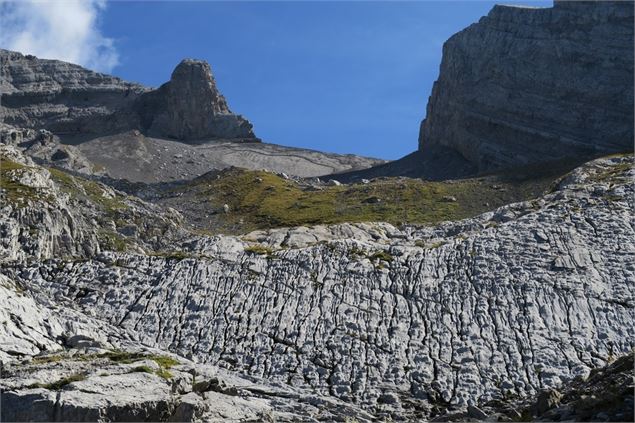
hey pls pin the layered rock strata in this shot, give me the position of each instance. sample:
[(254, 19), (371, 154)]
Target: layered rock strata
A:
[(525, 86), (67, 99)]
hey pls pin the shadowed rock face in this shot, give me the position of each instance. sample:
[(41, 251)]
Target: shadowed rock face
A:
[(526, 84), (68, 99), (190, 107)]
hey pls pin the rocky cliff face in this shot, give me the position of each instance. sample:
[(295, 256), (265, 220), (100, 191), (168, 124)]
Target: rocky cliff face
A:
[(191, 107), (524, 86), (63, 97), (68, 99), (403, 322)]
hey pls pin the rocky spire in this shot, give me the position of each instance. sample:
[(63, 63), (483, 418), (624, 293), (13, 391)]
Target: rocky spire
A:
[(192, 108)]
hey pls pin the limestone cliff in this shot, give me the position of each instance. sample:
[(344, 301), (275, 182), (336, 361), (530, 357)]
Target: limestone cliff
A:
[(528, 85), (68, 99), (63, 97), (190, 107)]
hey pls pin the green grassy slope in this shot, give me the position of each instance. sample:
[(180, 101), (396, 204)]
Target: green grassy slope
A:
[(258, 200)]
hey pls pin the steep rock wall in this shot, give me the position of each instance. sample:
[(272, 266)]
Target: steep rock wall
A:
[(190, 107), (527, 85)]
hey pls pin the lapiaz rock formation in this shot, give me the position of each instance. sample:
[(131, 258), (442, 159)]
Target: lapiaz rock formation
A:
[(70, 100), (244, 295)]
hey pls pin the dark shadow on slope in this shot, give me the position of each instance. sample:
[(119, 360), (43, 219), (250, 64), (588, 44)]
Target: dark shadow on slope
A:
[(436, 164)]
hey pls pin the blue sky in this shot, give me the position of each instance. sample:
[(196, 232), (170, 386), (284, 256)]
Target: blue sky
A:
[(345, 77)]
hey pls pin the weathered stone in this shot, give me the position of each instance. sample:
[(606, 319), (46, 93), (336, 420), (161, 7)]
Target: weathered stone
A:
[(190, 107), (476, 413), (68, 99), (525, 86), (547, 400), (83, 341)]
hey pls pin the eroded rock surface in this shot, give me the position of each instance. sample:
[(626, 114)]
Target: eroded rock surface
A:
[(527, 85), (404, 322)]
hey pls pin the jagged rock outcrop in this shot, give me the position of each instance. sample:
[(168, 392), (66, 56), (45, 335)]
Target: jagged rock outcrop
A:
[(46, 148), (67, 99), (404, 322), (526, 86), (189, 107), (46, 213)]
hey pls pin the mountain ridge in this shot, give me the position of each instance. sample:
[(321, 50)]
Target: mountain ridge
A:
[(68, 99)]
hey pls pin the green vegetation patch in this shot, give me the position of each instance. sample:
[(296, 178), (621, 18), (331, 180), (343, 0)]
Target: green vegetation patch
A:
[(125, 357), (260, 250), (174, 255), (112, 240), (48, 359), (165, 374), (16, 193), (56, 386), (165, 362), (91, 191), (142, 369), (260, 200), (381, 255), (120, 357)]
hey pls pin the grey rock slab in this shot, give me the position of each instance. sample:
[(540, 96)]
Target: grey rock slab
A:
[(367, 315)]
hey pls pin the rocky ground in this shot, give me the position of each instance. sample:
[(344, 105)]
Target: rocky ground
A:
[(151, 270), (138, 158), (395, 322)]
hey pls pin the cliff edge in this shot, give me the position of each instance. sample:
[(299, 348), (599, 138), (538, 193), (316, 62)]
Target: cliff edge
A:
[(525, 86)]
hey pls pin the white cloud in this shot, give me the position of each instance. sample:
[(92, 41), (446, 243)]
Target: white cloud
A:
[(58, 29)]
